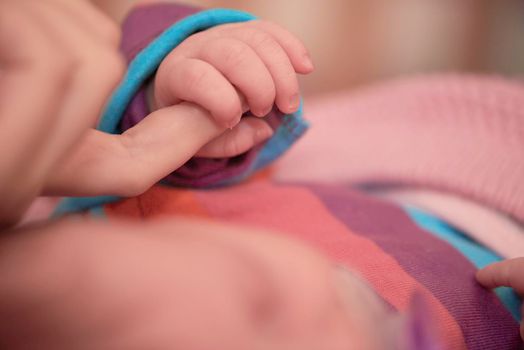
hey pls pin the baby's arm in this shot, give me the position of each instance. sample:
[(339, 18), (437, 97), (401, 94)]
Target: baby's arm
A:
[(508, 273)]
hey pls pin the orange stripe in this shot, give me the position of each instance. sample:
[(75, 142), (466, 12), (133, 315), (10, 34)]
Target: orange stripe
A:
[(124, 208), (305, 217), (158, 201)]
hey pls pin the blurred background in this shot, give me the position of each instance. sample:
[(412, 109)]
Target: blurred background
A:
[(355, 42)]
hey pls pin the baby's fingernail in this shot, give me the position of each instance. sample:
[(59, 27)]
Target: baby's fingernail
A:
[(234, 122), (264, 112), (294, 102), (263, 133)]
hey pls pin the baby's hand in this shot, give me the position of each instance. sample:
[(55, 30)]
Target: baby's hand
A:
[(234, 67), (509, 273)]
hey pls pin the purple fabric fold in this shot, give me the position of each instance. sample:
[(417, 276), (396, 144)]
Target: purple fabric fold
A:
[(436, 262)]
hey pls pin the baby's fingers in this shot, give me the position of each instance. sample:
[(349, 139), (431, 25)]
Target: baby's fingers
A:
[(244, 69), (247, 134), (509, 273), (277, 62), (295, 49), (203, 85)]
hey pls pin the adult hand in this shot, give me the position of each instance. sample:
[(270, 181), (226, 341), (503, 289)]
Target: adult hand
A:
[(58, 63)]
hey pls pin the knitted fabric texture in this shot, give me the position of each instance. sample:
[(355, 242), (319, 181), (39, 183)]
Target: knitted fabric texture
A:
[(461, 134)]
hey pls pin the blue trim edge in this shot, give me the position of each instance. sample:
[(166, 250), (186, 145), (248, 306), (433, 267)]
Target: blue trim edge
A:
[(474, 252)]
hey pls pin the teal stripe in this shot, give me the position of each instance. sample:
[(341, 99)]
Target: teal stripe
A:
[(98, 212), (75, 205)]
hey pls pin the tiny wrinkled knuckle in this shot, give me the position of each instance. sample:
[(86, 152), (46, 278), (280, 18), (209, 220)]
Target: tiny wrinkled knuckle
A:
[(235, 54), (193, 78), (272, 49), (260, 39)]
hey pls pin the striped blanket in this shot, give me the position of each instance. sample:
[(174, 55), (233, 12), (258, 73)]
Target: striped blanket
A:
[(376, 238)]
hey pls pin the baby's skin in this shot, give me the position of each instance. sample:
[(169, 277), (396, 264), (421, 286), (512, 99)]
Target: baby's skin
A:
[(78, 284)]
